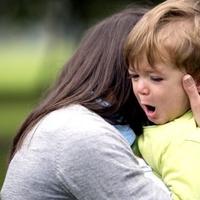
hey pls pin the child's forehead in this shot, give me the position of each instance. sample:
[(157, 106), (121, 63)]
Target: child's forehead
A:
[(152, 60), (142, 63)]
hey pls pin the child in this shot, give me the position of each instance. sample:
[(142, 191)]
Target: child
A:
[(161, 49)]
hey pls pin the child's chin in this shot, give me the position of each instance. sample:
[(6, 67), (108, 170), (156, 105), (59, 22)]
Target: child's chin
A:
[(158, 121)]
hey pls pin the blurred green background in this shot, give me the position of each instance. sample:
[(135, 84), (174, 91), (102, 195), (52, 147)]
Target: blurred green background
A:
[(37, 38)]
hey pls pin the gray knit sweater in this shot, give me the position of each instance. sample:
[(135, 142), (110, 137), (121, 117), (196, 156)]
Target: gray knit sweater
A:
[(73, 154)]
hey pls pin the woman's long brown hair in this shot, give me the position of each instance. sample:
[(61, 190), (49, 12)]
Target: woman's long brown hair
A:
[(96, 70)]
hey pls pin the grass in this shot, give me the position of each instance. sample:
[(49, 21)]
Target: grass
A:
[(12, 114), (25, 65)]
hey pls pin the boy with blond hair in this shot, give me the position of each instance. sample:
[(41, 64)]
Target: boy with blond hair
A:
[(161, 49)]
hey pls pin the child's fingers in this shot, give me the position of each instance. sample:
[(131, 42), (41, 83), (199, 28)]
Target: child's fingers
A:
[(194, 97)]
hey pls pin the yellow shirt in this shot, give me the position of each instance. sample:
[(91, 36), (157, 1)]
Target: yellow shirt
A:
[(173, 152)]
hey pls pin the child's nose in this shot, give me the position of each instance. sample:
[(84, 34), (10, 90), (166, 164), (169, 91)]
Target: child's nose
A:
[(143, 88)]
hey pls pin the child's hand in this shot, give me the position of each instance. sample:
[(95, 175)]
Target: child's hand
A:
[(194, 97)]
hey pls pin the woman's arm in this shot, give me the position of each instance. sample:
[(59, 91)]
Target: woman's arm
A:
[(94, 161), (193, 94)]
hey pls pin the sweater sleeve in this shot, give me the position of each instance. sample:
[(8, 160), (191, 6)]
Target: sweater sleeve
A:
[(102, 166)]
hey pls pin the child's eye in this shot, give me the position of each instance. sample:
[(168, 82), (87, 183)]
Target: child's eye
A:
[(134, 76), (156, 78)]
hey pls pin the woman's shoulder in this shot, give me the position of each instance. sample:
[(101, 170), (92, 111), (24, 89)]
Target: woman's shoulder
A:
[(72, 116), (73, 122)]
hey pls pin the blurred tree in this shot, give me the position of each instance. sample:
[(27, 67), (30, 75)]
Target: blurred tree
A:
[(65, 11)]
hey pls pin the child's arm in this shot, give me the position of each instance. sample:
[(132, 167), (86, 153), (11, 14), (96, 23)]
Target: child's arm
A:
[(173, 151), (181, 169)]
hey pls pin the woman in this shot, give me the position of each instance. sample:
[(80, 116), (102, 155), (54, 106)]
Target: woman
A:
[(76, 143)]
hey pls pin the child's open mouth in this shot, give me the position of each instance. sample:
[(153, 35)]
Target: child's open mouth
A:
[(150, 108), (150, 111)]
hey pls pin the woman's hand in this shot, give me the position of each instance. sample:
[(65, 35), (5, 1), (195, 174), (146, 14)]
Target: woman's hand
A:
[(194, 97)]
